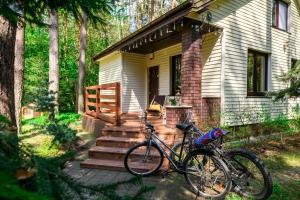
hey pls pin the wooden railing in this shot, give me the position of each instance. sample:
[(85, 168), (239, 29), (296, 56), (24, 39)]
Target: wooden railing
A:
[(103, 102)]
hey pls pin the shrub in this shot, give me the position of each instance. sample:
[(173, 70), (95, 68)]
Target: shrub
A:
[(63, 135), (279, 124), (295, 118)]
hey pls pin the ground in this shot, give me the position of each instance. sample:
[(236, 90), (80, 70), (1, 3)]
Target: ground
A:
[(283, 161)]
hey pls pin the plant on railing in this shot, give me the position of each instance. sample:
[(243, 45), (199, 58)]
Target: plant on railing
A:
[(173, 101)]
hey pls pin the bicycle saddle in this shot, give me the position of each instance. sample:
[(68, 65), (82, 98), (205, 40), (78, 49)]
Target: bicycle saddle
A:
[(184, 127)]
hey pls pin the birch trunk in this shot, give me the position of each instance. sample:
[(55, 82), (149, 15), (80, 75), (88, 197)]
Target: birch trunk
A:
[(7, 52), (81, 67), (53, 57), (19, 71)]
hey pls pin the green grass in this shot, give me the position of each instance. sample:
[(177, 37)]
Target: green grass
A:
[(65, 118), (35, 135)]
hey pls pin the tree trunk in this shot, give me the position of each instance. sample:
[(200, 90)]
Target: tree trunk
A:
[(19, 71), (81, 67), (53, 57), (151, 13), (7, 52)]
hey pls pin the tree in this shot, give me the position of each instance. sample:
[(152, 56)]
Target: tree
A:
[(34, 10), (53, 56), (291, 78), (7, 48), (19, 70), (81, 67)]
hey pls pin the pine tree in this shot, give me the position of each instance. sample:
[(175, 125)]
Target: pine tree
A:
[(292, 78)]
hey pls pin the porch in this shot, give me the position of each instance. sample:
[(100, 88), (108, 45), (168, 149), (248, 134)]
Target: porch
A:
[(181, 57)]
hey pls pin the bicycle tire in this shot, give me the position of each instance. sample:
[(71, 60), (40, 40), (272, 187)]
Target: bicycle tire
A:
[(218, 163), (268, 183), (134, 171)]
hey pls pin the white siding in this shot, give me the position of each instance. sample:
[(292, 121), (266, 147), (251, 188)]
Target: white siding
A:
[(110, 68), (133, 82), (247, 25), (162, 58), (211, 60)]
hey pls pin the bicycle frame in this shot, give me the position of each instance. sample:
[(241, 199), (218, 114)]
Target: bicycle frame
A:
[(157, 141)]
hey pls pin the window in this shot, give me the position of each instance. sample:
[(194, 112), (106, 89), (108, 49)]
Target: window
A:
[(280, 14), (294, 62), (257, 73), (176, 74)]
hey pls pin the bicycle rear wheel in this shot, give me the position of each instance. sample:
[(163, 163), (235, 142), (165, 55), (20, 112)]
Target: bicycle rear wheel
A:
[(143, 159), (207, 174), (252, 179)]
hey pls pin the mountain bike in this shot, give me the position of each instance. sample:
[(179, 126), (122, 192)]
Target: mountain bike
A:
[(249, 175), (146, 158)]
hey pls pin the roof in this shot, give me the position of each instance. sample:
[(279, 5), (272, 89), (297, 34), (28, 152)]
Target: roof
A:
[(187, 5), (172, 15)]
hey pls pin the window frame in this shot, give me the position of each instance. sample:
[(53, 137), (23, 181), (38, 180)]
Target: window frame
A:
[(276, 25), (266, 66), (173, 72)]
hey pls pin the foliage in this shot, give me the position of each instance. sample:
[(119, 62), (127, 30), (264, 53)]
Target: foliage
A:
[(64, 118), (47, 180), (4, 121), (36, 62), (10, 189), (62, 134), (295, 118), (173, 101), (291, 78), (279, 124)]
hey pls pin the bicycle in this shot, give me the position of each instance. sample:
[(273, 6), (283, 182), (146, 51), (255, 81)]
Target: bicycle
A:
[(146, 158), (241, 163)]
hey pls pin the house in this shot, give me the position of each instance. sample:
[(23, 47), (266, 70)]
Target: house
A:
[(223, 55), (29, 112)]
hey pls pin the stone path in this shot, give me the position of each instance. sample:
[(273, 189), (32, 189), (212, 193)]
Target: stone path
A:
[(173, 186)]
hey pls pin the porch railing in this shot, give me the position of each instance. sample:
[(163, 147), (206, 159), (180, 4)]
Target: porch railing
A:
[(103, 102)]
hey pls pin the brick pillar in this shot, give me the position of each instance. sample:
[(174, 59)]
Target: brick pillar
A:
[(191, 71)]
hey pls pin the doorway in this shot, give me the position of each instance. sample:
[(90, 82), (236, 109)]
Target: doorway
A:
[(153, 80)]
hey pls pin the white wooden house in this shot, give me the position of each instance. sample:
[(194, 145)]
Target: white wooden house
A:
[(226, 63)]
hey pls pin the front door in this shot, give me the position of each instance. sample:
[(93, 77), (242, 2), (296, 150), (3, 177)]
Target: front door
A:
[(153, 78)]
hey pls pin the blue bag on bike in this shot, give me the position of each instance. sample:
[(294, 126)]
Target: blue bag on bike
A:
[(212, 135)]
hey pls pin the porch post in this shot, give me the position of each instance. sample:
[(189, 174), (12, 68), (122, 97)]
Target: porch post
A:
[(191, 71)]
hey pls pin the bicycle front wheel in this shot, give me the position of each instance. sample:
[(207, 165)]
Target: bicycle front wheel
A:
[(143, 159), (207, 174)]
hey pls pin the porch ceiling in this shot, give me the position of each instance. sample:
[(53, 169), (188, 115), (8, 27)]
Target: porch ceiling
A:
[(166, 36)]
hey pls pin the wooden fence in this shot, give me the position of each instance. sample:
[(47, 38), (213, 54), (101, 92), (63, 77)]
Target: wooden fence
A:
[(103, 102)]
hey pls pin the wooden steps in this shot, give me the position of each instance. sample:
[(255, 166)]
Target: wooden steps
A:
[(114, 142)]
